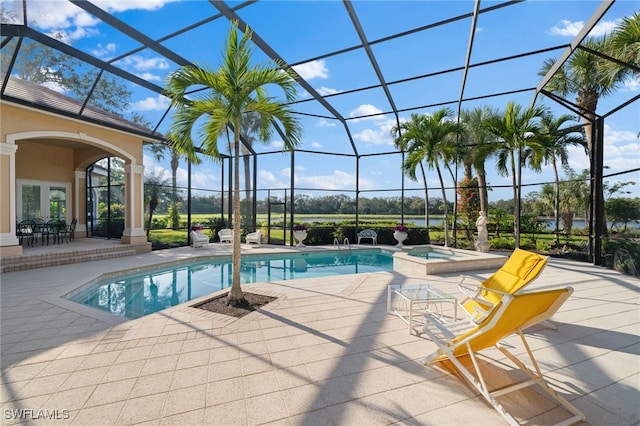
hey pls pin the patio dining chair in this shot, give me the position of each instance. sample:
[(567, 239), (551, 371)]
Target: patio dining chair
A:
[(71, 232), (24, 232), (520, 270), (466, 338), (52, 231), (39, 230), (65, 232)]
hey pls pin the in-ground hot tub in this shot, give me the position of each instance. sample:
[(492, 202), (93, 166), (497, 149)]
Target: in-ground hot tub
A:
[(431, 260)]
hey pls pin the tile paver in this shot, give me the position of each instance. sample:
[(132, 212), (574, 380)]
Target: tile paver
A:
[(325, 352)]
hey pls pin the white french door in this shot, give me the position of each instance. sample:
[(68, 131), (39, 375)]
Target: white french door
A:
[(43, 200)]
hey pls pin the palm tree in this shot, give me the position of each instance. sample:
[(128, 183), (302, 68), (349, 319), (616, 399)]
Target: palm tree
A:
[(474, 136), (411, 131), (518, 142), (585, 76), (159, 150), (250, 127), (236, 89), (556, 141), (153, 190), (589, 77), (430, 138), (625, 41)]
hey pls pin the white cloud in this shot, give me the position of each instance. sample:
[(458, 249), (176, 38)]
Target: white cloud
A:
[(578, 160), (365, 110), (622, 157), (313, 69), (149, 77), (144, 64), (324, 91), (159, 103), (621, 152), (277, 144), (104, 52), (121, 6), (59, 15), (74, 23), (613, 136), (203, 180), (323, 122), (151, 166), (568, 28), (631, 84), (379, 135), (338, 179), (316, 145), (78, 33), (268, 180)]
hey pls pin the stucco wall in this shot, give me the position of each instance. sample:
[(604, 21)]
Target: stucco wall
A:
[(5, 208), (39, 160), (53, 148), (17, 119)]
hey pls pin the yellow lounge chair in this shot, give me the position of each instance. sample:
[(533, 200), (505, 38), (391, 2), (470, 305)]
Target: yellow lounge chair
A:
[(519, 270), (511, 314)]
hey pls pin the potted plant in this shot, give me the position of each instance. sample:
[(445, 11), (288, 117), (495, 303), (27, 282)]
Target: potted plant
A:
[(299, 233), (400, 233)]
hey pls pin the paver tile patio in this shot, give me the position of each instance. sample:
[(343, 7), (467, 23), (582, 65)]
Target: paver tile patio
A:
[(326, 352)]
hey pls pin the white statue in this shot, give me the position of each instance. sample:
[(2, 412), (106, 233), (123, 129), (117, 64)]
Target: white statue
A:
[(483, 234)]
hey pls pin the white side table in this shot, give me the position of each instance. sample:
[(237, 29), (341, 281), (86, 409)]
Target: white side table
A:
[(410, 303)]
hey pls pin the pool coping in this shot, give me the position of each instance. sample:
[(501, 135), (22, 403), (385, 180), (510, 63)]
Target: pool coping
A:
[(469, 260), (59, 298)]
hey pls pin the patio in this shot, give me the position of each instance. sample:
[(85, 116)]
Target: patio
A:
[(326, 352)]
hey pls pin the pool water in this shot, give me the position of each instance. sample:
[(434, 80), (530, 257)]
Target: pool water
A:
[(136, 295), (434, 253)]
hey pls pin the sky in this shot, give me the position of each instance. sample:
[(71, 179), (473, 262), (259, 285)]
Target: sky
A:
[(304, 32)]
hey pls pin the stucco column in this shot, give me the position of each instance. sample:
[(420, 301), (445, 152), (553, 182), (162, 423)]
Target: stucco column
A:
[(134, 206), (80, 204), (9, 244)]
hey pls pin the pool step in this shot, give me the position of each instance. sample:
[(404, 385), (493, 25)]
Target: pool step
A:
[(22, 263)]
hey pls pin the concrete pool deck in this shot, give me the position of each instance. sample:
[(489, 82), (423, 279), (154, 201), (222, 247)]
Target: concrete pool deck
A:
[(326, 352)]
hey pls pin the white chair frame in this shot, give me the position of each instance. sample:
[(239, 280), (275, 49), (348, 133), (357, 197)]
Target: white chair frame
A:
[(198, 239), (225, 236), (254, 237)]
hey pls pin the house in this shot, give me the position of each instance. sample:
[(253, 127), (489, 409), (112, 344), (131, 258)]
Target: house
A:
[(47, 158)]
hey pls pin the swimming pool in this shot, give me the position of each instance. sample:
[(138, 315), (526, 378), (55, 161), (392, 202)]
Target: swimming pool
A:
[(436, 253), (430, 260), (139, 294)]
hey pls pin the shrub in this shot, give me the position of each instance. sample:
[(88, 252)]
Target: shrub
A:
[(502, 243), (158, 223), (543, 246), (622, 255)]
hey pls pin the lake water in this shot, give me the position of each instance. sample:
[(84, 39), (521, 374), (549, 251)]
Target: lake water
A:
[(433, 222)]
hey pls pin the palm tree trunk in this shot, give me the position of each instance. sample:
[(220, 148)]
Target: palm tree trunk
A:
[(455, 200), (516, 201), (446, 213), (556, 206), (174, 184), (587, 101), (426, 203), (247, 172), (483, 193), (235, 293), (151, 210)]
